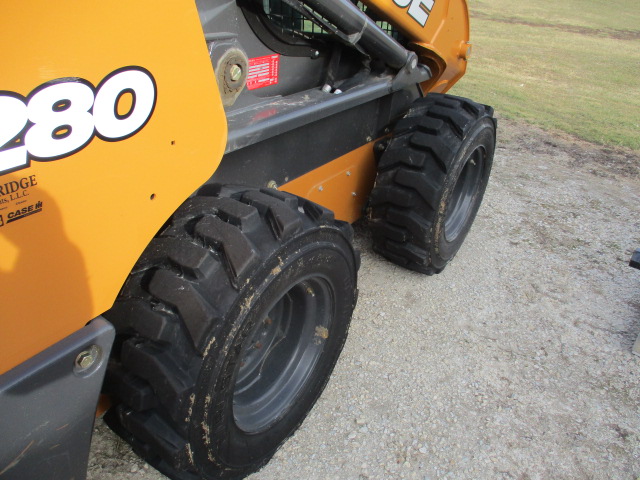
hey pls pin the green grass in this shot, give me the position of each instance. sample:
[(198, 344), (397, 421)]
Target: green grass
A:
[(572, 66)]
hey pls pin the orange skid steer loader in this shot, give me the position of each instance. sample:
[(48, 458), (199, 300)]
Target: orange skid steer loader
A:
[(177, 183)]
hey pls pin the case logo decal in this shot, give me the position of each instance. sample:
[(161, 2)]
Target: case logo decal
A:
[(61, 117), (419, 10), (20, 213)]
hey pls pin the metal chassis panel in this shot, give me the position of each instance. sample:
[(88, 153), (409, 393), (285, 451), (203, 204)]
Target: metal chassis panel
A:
[(48, 407)]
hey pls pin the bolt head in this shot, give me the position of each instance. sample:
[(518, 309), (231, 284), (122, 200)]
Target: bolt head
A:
[(84, 360), (87, 358), (235, 73)]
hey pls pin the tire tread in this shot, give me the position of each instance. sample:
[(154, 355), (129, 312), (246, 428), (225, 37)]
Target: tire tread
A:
[(406, 200), (173, 307)]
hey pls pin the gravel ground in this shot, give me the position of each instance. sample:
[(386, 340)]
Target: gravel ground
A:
[(514, 363)]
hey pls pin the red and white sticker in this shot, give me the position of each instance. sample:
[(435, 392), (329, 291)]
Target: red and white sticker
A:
[(263, 71)]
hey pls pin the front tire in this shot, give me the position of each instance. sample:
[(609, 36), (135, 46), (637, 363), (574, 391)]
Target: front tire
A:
[(431, 180), (229, 328)]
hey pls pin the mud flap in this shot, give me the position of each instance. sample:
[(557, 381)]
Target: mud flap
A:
[(48, 406)]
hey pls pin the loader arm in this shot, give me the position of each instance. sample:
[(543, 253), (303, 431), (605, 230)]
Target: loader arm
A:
[(437, 30)]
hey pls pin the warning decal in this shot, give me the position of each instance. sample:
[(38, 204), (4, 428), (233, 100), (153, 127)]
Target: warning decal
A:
[(263, 71)]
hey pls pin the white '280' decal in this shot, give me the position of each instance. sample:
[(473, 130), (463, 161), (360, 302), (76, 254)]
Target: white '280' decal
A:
[(61, 117)]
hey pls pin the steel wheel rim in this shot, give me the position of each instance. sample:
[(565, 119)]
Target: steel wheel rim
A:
[(464, 196), (280, 353)]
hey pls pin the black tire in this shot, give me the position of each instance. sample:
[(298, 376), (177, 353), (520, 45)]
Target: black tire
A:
[(229, 328), (431, 179)]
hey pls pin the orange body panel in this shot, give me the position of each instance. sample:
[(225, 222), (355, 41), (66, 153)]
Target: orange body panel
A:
[(104, 404), (442, 43), (81, 221), (342, 185)]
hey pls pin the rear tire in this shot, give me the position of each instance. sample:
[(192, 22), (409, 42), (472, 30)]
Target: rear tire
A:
[(229, 328), (431, 180)]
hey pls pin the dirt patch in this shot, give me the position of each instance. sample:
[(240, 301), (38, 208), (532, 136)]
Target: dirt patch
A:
[(599, 160), (593, 32)]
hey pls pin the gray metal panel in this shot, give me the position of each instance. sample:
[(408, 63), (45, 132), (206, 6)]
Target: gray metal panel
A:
[(275, 117), (297, 99), (268, 119), (48, 405)]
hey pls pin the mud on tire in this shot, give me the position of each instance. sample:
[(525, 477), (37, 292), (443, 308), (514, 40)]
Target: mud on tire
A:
[(228, 330), (431, 179)]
